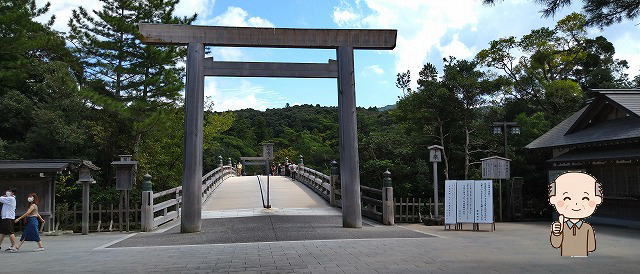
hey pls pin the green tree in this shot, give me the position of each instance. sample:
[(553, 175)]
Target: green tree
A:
[(41, 113), (601, 13), (471, 87)]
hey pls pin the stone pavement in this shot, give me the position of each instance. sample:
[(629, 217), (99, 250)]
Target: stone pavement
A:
[(513, 248), (274, 228)]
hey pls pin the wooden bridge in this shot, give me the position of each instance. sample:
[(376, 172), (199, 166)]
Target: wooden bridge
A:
[(305, 192)]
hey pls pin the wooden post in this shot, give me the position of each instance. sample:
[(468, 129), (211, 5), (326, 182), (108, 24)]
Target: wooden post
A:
[(85, 207), (147, 205), (111, 218), (120, 212), (126, 205), (99, 217), (335, 178), (388, 214), (349, 162), (193, 122), (73, 227)]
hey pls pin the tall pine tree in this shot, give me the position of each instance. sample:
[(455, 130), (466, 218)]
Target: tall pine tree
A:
[(136, 87)]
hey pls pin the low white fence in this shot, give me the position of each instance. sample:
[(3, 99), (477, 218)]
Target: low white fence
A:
[(155, 214)]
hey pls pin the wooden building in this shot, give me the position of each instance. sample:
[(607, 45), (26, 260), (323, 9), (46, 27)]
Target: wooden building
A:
[(603, 139), (37, 176)]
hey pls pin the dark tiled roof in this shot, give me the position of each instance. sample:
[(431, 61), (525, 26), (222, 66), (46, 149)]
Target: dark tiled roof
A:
[(629, 101), (618, 129), (11, 166), (586, 154)]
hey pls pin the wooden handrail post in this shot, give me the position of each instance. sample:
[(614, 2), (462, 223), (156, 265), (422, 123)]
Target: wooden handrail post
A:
[(147, 205), (335, 178), (388, 206)]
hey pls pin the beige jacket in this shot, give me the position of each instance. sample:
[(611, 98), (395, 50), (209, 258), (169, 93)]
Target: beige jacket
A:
[(575, 239)]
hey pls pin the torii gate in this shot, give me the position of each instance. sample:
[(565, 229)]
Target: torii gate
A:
[(197, 37)]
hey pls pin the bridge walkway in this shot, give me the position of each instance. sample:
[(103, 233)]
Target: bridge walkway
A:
[(241, 197)]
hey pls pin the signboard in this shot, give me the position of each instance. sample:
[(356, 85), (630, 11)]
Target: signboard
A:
[(483, 202), (267, 151), (468, 201), (496, 168), (449, 202), (464, 201)]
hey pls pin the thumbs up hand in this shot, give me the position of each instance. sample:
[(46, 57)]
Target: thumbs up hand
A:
[(557, 227)]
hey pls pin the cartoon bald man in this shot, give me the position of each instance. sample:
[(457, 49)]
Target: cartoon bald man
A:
[(575, 196)]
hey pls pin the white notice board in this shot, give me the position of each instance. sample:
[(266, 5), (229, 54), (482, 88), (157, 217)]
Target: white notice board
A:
[(465, 204), (483, 203), (450, 202)]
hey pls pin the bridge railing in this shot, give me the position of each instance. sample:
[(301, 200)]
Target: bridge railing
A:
[(328, 187), (167, 207), (318, 182)]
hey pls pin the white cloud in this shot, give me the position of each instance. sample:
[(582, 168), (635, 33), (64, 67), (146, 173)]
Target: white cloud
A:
[(188, 7), (456, 49), (344, 16), (421, 25), (227, 54), (62, 9), (238, 17), (242, 96), (376, 69), (628, 48)]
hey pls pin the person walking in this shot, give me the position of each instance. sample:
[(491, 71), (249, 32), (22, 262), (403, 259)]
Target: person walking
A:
[(30, 232), (8, 215)]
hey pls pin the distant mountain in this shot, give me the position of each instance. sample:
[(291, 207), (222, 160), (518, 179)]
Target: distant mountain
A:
[(387, 108)]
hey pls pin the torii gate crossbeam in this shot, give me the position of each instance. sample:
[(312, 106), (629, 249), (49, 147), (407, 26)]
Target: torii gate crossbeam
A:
[(197, 37)]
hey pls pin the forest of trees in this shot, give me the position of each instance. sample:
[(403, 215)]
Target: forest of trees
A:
[(96, 92)]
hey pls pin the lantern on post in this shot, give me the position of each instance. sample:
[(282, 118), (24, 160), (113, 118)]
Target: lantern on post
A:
[(230, 163), (125, 178), (496, 167), (85, 179), (435, 156), (220, 161)]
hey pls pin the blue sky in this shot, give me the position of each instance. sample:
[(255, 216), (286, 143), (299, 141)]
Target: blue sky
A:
[(428, 30)]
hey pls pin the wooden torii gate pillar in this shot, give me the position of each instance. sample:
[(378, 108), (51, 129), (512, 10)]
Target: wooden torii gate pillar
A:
[(197, 37)]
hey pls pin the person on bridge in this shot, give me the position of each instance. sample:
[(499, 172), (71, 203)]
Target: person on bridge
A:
[(292, 169), (239, 169), (30, 232)]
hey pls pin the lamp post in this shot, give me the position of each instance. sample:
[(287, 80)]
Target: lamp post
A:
[(85, 179), (125, 178), (435, 156), (505, 128)]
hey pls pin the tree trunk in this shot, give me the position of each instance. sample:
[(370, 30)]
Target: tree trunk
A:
[(444, 154), (466, 153)]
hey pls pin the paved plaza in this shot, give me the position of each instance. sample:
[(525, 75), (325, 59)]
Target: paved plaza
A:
[(302, 234), (513, 248)]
